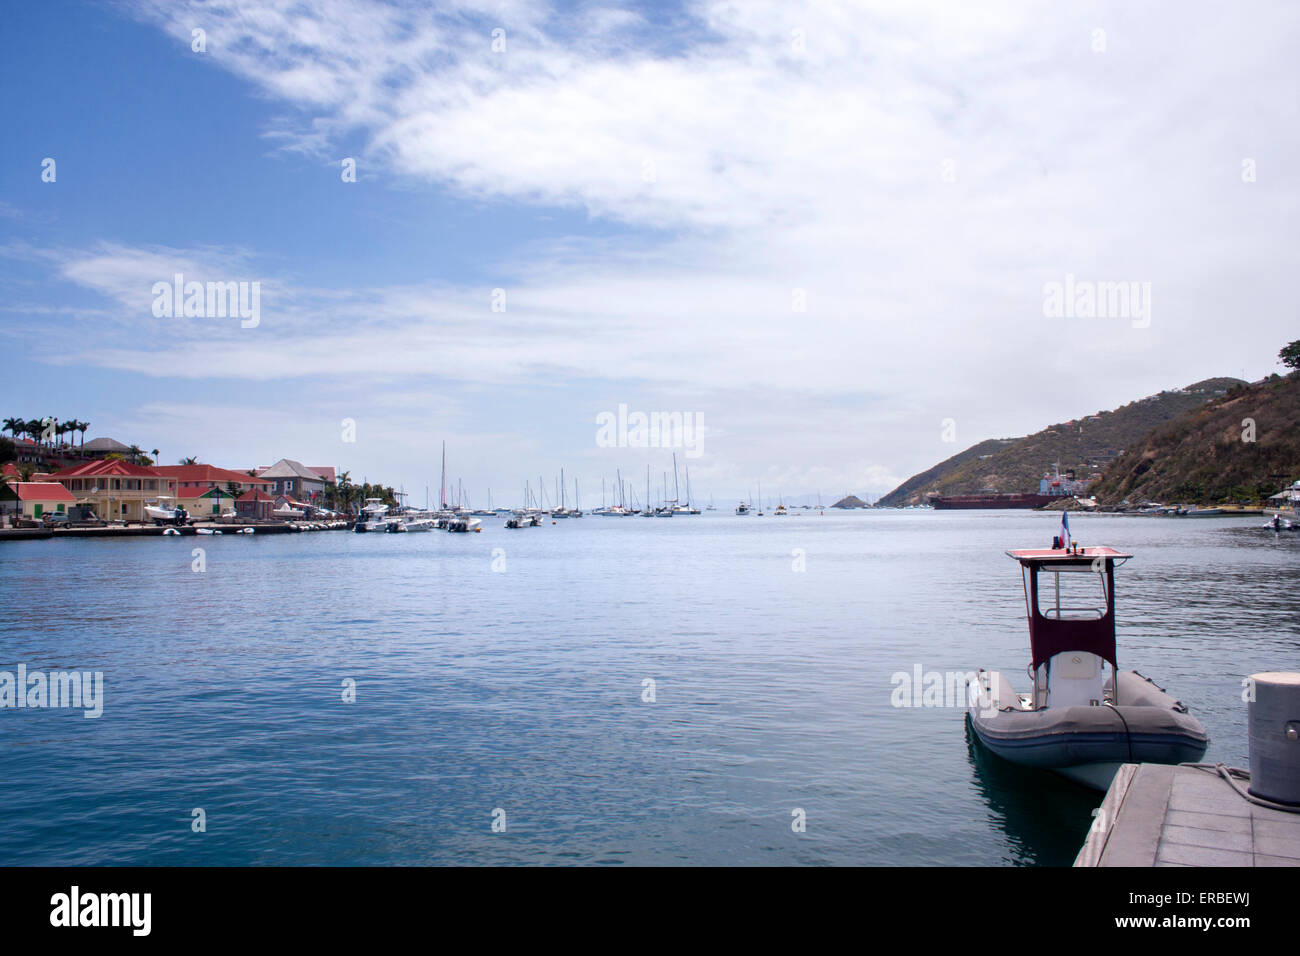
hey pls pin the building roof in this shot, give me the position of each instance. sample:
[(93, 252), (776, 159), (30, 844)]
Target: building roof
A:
[(207, 473), (107, 466), (255, 494), (41, 491), (105, 445), (11, 470), (327, 472), (288, 468)]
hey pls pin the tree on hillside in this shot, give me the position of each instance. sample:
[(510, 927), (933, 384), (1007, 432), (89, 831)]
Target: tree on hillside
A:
[(1290, 355)]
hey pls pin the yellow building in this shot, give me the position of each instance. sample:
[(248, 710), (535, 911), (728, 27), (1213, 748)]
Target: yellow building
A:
[(35, 499), (117, 490)]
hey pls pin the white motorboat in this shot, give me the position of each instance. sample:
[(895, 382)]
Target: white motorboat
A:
[(1077, 719), (165, 511), (373, 517)]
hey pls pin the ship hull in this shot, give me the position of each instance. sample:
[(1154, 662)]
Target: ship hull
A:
[(966, 502)]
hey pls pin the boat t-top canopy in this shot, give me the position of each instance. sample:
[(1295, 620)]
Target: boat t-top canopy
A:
[(1056, 628), (1067, 556)]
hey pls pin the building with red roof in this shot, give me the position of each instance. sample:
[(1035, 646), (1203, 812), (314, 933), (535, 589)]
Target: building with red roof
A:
[(255, 504), (194, 485), (117, 490), (35, 499)]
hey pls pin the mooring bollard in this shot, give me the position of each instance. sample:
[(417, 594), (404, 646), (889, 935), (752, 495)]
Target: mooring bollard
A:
[(1273, 718)]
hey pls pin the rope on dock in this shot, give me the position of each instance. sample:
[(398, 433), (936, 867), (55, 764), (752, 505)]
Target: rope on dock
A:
[(1232, 774)]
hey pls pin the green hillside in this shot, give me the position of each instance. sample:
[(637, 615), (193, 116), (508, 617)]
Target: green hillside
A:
[(1201, 457), (1085, 445)]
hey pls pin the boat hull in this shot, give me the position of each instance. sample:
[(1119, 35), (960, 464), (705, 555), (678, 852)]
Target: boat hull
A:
[(990, 501), (1086, 744)]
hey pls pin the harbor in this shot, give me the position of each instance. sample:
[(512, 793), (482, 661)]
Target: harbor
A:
[(520, 659), (646, 437)]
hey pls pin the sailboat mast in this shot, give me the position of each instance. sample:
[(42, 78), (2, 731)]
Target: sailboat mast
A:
[(442, 491)]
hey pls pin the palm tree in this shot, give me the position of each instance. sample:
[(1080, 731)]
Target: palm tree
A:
[(136, 452), (191, 460), (81, 427), (25, 471), (11, 425)]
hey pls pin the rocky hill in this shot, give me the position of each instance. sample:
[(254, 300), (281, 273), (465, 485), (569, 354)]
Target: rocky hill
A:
[(1206, 454), (850, 501), (1085, 445)]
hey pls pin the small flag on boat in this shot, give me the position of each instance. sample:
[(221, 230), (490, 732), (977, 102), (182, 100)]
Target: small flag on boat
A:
[(1063, 539)]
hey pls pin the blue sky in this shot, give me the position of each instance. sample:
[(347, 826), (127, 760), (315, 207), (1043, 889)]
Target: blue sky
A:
[(654, 188)]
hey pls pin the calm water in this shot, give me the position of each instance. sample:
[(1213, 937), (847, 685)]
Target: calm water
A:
[(521, 689)]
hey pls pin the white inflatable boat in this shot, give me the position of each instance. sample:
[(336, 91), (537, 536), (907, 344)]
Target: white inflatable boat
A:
[(1080, 718)]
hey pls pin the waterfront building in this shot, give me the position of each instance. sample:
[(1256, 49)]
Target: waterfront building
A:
[(117, 490), (194, 485), (35, 499), (256, 505), (289, 477)]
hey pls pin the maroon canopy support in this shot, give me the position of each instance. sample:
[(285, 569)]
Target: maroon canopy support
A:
[(1049, 636)]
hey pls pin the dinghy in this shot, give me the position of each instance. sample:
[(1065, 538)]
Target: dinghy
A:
[(1083, 717)]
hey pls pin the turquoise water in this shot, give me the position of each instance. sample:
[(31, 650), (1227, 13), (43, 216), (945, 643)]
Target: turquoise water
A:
[(521, 689)]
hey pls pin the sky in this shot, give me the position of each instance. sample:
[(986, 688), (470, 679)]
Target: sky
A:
[(820, 232)]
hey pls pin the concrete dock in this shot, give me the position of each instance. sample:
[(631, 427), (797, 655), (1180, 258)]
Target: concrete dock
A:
[(1158, 815), (155, 531)]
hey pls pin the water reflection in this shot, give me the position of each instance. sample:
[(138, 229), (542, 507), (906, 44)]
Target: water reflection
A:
[(1043, 816)]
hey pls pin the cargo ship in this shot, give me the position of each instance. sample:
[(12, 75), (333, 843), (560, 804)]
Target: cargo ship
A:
[(990, 500), (1052, 487)]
